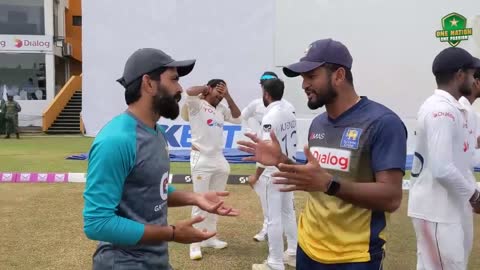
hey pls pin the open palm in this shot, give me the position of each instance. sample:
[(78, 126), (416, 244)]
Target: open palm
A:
[(212, 202), (266, 152)]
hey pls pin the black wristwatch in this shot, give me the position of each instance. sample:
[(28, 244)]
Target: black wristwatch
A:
[(333, 186)]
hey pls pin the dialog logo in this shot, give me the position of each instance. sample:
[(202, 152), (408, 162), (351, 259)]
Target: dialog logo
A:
[(332, 158), (18, 43)]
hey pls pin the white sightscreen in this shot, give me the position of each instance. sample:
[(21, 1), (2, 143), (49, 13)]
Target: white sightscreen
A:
[(393, 44), (232, 40)]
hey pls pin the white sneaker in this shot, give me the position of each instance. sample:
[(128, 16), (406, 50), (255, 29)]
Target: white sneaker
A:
[(195, 251), (214, 243), (260, 236), (263, 266), (290, 260)]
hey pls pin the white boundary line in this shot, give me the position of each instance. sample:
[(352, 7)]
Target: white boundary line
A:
[(81, 178)]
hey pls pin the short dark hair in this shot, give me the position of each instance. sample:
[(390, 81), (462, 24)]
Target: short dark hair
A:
[(132, 91), (214, 82), (274, 87), (348, 72), (444, 77), (447, 76)]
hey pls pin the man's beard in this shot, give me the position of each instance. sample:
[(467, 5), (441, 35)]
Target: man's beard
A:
[(466, 89), (165, 104), (265, 102), (320, 101)]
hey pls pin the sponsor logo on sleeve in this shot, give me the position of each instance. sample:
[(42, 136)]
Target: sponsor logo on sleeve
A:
[(164, 186), (267, 128), (444, 115)]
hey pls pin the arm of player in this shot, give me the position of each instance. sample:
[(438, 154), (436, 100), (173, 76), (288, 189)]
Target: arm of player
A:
[(234, 110), (440, 130), (388, 155), (184, 112), (197, 90), (211, 202), (183, 231), (110, 161), (247, 113), (252, 179), (266, 152)]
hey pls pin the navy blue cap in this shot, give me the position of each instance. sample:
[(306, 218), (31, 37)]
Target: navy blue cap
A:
[(453, 59), (477, 72), (318, 54)]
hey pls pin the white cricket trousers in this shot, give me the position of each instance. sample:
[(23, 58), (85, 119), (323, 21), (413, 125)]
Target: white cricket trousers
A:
[(260, 188), (280, 217), (209, 173), (443, 246)]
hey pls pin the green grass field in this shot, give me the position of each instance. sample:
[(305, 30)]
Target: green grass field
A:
[(47, 154), (42, 223)]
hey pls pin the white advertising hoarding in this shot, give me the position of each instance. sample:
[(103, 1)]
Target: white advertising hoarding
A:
[(26, 43)]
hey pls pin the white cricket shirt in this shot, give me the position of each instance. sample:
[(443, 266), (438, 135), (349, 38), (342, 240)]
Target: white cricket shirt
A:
[(252, 115), (441, 181), (280, 118), (474, 129), (206, 124)]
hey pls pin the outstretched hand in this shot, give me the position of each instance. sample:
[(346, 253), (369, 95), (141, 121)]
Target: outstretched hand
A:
[(212, 202), (307, 177), (185, 233), (266, 152)]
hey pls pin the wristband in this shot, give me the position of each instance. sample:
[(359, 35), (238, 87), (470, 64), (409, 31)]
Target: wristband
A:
[(173, 233)]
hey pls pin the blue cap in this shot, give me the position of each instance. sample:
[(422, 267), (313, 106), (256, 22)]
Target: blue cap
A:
[(453, 59), (318, 54)]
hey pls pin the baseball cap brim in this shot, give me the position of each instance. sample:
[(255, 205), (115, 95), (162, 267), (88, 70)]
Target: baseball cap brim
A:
[(184, 67), (476, 63), (296, 69)]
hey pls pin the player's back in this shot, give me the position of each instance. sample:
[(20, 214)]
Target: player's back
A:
[(288, 105), (282, 121)]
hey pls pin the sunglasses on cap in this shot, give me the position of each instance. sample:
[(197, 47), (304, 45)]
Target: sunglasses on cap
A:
[(267, 77)]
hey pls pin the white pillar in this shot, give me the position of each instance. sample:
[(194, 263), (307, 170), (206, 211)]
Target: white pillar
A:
[(48, 14), (476, 35), (49, 57)]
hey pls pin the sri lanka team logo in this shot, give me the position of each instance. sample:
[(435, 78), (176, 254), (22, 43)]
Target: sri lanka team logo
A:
[(351, 138)]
